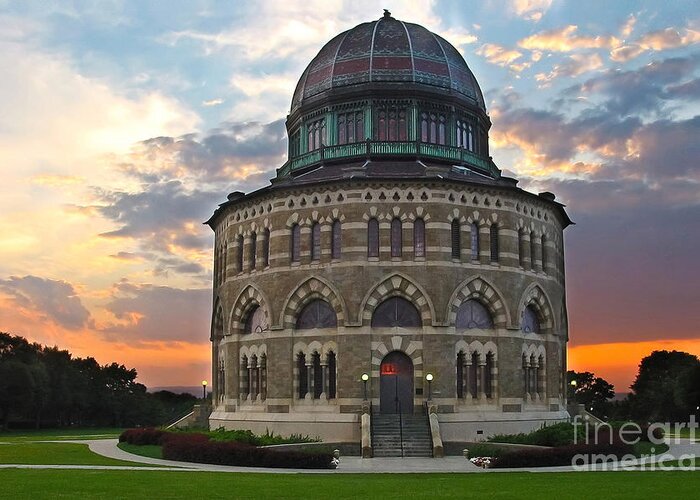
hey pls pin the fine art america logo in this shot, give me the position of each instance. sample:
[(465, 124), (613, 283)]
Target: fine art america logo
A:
[(605, 447)]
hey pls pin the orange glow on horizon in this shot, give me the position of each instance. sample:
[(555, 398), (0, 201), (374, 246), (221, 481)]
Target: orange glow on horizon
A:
[(618, 362)]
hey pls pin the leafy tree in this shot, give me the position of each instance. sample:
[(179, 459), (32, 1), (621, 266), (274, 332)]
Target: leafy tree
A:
[(666, 387), (16, 383), (591, 391), (48, 385)]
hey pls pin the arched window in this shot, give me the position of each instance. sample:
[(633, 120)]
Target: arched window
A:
[(240, 253), (396, 237), (221, 381), (302, 373), (315, 241), (244, 377), (521, 248), (461, 363), (318, 375), (335, 240), (488, 376), (456, 233), (473, 375), (543, 246), (253, 250), (419, 238), (317, 314), (474, 229), (262, 368), (373, 238), (391, 124), (533, 250), (254, 378), (432, 128), (266, 248), (396, 312), (316, 134), (473, 314), (351, 127), (332, 376), (493, 237), (295, 244), (441, 130), (529, 322), (256, 321)]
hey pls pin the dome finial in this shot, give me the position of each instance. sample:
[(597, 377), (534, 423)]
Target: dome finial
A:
[(387, 14)]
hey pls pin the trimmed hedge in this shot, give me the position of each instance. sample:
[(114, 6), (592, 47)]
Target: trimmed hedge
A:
[(559, 434), (149, 435), (141, 437), (562, 455), (199, 448), (186, 449)]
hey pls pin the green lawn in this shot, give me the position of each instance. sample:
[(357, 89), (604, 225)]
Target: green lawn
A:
[(676, 463), (147, 450), (58, 434), (77, 484), (645, 448), (54, 454), (685, 433)]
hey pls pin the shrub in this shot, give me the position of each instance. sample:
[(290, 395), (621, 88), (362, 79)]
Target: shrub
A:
[(218, 448), (560, 434), (144, 436), (562, 455), (188, 449), (153, 436)]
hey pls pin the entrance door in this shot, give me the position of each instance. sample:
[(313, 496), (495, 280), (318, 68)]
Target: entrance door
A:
[(396, 384)]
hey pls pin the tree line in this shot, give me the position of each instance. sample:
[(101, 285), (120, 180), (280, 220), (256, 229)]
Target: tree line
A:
[(666, 389), (47, 386)]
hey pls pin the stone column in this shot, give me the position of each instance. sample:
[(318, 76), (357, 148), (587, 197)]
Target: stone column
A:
[(263, 381), (482, 379), (324, 385), (526, 379), (243, 384)]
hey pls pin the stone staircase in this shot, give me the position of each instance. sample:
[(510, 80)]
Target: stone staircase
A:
[(386, 436)]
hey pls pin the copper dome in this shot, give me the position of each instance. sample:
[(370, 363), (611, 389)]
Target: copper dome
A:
[(388, 50)]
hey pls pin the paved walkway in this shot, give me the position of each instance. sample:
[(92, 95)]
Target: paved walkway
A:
[(351, 465)]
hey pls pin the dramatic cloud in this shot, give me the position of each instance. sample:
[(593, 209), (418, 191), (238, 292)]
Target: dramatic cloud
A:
[(229, 153), (609, 138), (53, 300), (164, 216), (566, 39), (646, 89), (531, 10), (573, 66), (147, 313), (501, 56)]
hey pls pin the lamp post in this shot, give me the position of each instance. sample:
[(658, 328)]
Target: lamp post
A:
[(572, 392), (365, 378), (429, 378), (204, 389)]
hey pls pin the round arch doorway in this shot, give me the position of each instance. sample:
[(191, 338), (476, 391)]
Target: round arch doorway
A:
[(396, 384)]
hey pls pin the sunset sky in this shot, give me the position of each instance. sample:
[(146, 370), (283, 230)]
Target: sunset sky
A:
[(123, 124)]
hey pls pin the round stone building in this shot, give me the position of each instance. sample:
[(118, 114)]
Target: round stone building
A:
[(389, 244)]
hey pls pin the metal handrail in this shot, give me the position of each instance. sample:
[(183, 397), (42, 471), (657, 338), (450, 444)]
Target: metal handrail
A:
[(398, 402), (370, 148)]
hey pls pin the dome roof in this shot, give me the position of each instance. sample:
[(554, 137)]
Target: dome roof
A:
[(388, 50)]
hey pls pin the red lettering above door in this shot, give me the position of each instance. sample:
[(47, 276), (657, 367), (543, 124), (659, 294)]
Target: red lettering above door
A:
[(389, 369)]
